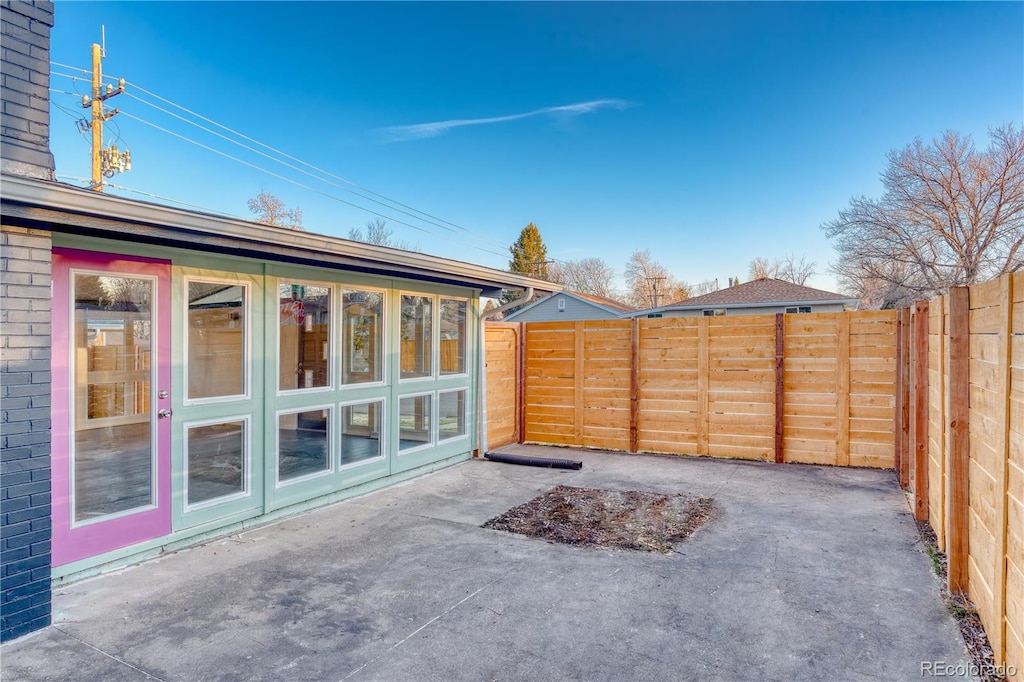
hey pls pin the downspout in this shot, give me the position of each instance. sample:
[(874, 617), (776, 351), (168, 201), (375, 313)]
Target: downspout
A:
[(482, 382)]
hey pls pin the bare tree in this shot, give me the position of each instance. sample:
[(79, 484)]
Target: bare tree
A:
[(378, 233), (789, 269), (586, 275), (949, 215), (272, 211), (706, 287), (795, 271), (649, 284), (761, 268)]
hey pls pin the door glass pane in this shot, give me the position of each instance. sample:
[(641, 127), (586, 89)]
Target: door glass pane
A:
[(451, 414), (305, 315), (362, 312), (413, 422), (453, 336), (303, 445), (360, 431), (416, 337), (216, 339), (113, 451), (216, 461)]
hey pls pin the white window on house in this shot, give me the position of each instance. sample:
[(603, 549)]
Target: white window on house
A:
[(216, 461), (304, 335), (561, 304), (303, 443), (650, 315), (362, 324), (714, 312), (414, 422), (217, 344), (799, 309), (453, 336), (417, 335), (451, 414), (361, 432)]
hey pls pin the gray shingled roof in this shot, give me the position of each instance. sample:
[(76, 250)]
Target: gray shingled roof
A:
[(761, 291)]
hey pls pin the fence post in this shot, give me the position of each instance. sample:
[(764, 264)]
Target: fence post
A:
[(703, 385), (578, 355), (898, 416), (634, 384), (905, 345), (843, 390), (1004, 382), (958, 450), (780, 387), (521, 382), (920, 410)]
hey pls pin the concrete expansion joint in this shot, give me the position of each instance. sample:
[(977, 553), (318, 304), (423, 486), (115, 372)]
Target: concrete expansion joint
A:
[(100, 651), (431, 622)]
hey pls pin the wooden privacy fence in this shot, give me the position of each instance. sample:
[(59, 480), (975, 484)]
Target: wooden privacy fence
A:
[(816, 388), (960, 445)]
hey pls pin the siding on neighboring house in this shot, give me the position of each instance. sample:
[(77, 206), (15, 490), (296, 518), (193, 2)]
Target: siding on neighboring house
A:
[(576, 308)]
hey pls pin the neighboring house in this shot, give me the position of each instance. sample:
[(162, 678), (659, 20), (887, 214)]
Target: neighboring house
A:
[(759, 297), (570, 305), (169, 376)]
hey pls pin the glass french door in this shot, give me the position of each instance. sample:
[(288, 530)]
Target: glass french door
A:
[(112, 404)]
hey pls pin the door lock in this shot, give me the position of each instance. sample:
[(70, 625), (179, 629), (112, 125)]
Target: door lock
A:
[(164, 413)]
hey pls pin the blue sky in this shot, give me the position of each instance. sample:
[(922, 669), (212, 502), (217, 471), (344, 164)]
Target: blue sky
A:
[(709, 133)]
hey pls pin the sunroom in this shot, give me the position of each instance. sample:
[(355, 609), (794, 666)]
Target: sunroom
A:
[(209, 373)]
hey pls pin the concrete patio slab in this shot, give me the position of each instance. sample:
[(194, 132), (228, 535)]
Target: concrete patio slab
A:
[(809, 573)]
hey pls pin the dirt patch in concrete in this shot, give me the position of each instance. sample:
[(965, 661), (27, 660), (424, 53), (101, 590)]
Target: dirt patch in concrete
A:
[(589, 517)]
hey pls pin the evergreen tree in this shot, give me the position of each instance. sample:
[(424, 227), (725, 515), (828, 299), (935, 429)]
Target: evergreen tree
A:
[(529, 257), (529, 254)]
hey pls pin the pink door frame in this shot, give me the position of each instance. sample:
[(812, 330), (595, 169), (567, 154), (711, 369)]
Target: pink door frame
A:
[(74, 543)]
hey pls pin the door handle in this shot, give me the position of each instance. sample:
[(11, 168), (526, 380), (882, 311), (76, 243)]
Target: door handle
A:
[(164, 413)]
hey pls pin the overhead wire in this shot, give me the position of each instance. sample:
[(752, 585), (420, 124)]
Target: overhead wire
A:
[(204, 209), (297, 183), (292, 158), (430, 219), (297, 169)]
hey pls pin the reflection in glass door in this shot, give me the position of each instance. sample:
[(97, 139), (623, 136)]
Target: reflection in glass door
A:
[(112, 458), (110, 434)]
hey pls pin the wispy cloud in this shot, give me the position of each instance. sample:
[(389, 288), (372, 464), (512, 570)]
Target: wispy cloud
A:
[(423, 130)]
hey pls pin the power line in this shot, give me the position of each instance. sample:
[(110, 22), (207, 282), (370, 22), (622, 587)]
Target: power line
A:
[(204, 209), (433, 220), (295, 168), (288, 156), (299, 184)]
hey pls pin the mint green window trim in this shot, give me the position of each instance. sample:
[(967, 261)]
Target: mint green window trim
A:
[(328, 468), (316, 375), (191, 412), (246, 463), (241, 319), (377, 416)]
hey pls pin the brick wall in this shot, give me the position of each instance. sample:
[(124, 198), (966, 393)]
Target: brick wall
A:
[(25, 123), (24, 431)]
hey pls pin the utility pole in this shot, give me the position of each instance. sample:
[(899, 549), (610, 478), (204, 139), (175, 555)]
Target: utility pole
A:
[(537, 265), (105, 162), (655, 296)]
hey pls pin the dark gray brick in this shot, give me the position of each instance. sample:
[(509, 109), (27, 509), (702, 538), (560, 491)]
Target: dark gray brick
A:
[(27, 539)]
